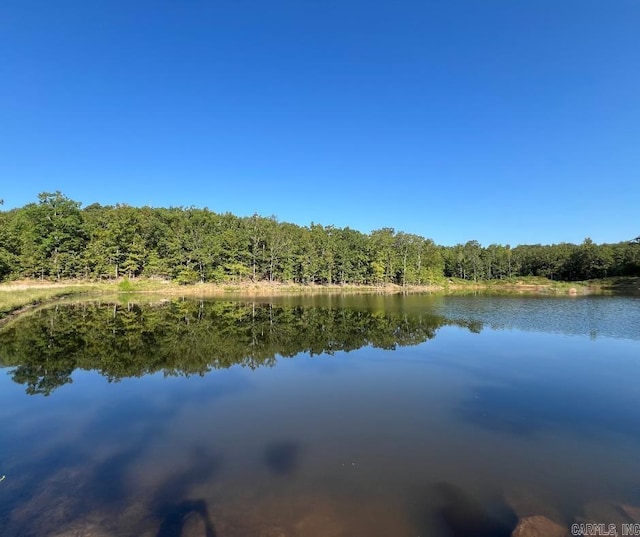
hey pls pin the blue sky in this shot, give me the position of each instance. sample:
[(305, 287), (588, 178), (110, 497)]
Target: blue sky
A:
[(496, 120)]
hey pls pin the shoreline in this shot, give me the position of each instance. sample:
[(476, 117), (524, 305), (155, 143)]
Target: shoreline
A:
[(158, 285), (18, 297)]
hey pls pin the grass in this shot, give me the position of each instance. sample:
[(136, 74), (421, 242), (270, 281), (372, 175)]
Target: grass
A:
[(526, 284), (627, 284), (16, 297)]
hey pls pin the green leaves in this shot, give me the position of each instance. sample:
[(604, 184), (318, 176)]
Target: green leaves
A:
[(54, 238)]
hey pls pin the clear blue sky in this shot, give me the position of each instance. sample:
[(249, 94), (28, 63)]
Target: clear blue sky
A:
[(497, 120)]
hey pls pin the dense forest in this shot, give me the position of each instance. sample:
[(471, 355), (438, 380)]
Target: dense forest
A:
[(56, 238)]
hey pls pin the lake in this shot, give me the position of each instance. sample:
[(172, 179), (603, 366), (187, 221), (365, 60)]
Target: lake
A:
[(318, 416)]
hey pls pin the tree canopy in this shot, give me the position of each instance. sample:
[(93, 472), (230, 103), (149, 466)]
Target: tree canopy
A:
[(56, 238)]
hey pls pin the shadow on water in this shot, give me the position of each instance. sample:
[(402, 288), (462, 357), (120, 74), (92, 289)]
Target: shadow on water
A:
[(283, 458), (79, 481), (463, 516), (170, 503), (446, 510), (108, 481), (177, 517)]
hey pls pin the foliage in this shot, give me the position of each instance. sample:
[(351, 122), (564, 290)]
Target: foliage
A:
[(55, 238), (125, 285)]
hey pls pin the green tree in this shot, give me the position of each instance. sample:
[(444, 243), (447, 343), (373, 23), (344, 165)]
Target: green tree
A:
[(9, 245), (383, 253), (56, 238), (52, 235)]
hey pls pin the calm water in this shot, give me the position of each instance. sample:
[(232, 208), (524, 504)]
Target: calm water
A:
[(326, 416)]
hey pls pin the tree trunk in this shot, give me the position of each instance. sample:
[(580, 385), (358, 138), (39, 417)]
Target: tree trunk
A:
[(404, 270)]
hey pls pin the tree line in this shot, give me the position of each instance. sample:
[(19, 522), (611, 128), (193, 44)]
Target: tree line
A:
[(56, 238)]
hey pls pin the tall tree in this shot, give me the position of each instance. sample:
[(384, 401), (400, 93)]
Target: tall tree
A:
[(383, 254), (53, 236)]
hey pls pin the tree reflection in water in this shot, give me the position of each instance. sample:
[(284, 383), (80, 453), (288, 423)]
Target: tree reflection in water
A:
[(192, 337)]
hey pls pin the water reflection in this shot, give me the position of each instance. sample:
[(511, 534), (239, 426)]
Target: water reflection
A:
[(431, 439), (191, 337), (595, 316), (527, 407), (194, 337)]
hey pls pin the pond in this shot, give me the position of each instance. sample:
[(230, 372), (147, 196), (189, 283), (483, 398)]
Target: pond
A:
[(319, 416)]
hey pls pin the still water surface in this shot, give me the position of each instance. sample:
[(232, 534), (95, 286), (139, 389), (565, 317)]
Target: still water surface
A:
[(319, 416)]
